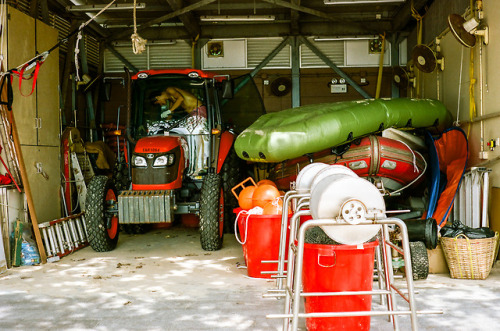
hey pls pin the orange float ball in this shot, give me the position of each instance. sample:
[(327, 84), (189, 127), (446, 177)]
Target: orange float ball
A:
[(266, 182), (245, 197), (274, 207), (263, 194)]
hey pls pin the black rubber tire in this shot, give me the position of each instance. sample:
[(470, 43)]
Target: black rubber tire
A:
[(100, 238), (232, 173), (211, 213), (419, 260), (135, 228)]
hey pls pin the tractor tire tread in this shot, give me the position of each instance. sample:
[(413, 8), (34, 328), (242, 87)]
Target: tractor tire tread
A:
[(98, 237), (231, 175), (209, 213), (419, 260)]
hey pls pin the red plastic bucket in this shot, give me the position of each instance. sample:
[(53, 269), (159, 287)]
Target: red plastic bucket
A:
[(338, 268), (260, 235)]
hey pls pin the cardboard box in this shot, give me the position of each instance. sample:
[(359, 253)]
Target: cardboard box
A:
[(437, 261)]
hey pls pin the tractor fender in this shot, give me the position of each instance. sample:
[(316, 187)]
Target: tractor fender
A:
[(226, 142)]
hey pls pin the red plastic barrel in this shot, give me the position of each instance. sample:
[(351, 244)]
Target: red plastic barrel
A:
[(261, 242), (338, 268)]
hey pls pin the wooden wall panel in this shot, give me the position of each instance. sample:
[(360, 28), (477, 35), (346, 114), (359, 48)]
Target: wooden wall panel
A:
[(46, 196), (21, 48), (47, 92)]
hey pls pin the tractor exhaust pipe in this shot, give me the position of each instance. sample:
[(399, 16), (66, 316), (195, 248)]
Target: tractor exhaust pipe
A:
[(129, 104)]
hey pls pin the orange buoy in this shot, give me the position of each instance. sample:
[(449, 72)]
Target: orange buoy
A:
[(273, 207), (266, 182), (263, 194), (245, 197)]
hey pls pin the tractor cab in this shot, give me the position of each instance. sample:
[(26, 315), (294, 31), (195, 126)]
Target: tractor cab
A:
[(179, 158), (195, 122)]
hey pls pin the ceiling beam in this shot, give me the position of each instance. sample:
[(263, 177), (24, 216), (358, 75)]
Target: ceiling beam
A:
[(98, 29), (263, 30), (162, 18), (188, 19), (403, 17), (320, 14)]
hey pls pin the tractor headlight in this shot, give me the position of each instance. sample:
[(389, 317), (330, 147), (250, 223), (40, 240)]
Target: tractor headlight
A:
[(139, 161), (164, 160)]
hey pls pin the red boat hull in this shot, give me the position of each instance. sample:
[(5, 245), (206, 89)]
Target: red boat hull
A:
[(373, 157)]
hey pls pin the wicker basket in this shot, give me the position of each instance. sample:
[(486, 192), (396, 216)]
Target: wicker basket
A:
[(470, 258)]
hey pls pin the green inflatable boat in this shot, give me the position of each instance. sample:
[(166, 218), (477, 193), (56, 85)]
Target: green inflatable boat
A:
[(291, 133)]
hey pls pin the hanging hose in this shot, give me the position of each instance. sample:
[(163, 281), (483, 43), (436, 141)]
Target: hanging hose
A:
[(416, 15), (193, 47), (138, 43), (380, 68), (80, 36), (457, 123), (472, 98)]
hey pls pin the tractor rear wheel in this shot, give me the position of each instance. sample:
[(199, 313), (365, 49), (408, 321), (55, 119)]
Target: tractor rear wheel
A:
[(100, 214), (211, 213)]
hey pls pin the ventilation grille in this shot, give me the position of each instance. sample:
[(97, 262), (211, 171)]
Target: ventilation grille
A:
[(333, 50), (259, 48), (154, 57)]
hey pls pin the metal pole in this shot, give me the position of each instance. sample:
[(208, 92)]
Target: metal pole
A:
[(295, 43)]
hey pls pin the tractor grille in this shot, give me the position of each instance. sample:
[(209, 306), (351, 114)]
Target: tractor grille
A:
[(136, 207)]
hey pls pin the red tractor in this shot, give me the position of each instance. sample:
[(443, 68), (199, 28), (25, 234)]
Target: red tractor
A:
[(175, 162)]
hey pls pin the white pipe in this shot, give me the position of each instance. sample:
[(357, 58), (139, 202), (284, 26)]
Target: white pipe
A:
[(486, 187)]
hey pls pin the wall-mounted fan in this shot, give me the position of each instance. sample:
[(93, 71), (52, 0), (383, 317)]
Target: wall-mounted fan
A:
[(403, 77), (375, 46), (215, 49), (466, 31), (281, 86), (425, 59)]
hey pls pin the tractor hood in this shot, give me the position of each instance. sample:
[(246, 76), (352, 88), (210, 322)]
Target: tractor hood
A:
[(157, 144)]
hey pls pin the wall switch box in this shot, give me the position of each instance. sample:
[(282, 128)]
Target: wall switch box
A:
[(338, 88)]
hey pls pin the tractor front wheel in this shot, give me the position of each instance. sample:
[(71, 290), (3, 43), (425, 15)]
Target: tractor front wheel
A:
[(211, 213), (101, 214)]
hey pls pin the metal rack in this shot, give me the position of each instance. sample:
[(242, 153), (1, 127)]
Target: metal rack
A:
[(292, 291)]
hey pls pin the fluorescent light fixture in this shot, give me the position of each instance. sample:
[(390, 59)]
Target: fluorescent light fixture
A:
[(237, 18), (339, 38), (150, 43), (117, 6), (359, 2)]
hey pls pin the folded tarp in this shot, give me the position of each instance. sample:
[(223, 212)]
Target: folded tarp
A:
[(291, 133), (448, 154)]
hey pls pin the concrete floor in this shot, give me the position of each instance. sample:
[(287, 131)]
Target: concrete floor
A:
[(162, 280)]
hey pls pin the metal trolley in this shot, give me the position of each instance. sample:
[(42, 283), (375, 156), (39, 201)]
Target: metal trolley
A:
[(289, 274)]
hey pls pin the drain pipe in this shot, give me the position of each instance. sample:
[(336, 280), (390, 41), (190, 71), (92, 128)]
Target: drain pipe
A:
[(481, 101)]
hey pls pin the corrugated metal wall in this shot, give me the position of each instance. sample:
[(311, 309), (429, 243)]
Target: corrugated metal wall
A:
[(333, 50), (259, 48), (155, 57), (179, 55)]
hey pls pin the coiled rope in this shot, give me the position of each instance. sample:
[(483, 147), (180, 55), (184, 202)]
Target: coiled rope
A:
[(138, 43)]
